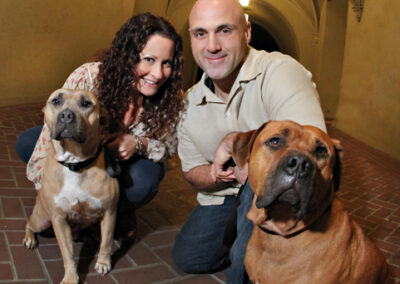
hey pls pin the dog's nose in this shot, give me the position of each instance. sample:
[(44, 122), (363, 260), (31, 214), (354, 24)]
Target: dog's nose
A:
[(66, 116), (299, 164)]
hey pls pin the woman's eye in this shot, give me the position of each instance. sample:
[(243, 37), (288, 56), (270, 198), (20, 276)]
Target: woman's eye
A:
[(148, 59), (167, 63)]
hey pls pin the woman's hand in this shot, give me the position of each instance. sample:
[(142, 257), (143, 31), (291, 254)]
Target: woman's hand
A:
[(123, 146)]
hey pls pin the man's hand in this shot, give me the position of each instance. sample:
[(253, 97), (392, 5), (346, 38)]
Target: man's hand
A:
[(123, 146)]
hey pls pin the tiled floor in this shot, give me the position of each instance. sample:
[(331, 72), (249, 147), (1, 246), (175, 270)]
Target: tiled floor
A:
[(370, 188)]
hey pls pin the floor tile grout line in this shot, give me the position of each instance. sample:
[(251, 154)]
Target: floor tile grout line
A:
[(11, 257)]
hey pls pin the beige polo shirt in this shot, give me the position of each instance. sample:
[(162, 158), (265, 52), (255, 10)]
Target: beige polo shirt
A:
[(269, 86)]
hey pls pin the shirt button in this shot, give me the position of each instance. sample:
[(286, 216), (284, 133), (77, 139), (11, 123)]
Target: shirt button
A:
[(228, 113)]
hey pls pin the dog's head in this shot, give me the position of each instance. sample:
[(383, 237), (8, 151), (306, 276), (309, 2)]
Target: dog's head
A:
[(293, 171), (75, 116)]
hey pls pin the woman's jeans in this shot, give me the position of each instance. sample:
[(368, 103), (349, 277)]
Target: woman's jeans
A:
[(198, 247), (140, 177)]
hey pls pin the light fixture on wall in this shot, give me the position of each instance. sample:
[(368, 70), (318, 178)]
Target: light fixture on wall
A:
[(358, 6), (244, 3)]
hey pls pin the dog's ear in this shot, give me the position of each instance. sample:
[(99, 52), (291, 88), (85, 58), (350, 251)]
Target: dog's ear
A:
[(104, 119), (337, 169), (242, 145)]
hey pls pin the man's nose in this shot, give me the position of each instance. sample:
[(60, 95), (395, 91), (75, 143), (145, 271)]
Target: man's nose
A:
[(213, 44)]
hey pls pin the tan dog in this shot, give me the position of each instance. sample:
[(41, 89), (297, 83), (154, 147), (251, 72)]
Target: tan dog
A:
[(76, 187), (302, 233)]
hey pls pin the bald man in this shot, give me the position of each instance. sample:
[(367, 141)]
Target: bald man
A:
[(240, 89)]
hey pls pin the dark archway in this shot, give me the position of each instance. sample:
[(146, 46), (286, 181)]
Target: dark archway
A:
[(262, 39)]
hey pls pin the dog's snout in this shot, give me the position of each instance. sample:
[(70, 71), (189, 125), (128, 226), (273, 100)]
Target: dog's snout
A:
[(66, 116), (299, 164)]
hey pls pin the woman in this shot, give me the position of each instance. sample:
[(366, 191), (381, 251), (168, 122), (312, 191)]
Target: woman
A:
[(139, 81)]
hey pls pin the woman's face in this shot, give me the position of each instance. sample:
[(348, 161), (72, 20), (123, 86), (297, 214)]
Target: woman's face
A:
[(155, 65)]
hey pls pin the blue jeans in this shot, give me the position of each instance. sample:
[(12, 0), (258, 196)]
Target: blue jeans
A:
[(140, 177), (198, 247)]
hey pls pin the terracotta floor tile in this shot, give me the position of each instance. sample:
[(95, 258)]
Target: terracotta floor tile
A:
[(5, 271), (144, 275), (20, 256), (370, 190)]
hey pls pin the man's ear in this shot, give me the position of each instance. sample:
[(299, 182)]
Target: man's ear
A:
[(337, 168), (248, 32), (242, 145)]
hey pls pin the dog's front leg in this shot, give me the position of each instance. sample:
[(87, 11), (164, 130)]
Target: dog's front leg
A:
[(65, 242), (103, 264)]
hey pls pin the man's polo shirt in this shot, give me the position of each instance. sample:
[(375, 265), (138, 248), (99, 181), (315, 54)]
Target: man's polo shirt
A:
[(269, 86)]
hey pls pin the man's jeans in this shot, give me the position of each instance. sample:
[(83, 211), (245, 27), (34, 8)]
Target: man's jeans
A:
[(198, 247)]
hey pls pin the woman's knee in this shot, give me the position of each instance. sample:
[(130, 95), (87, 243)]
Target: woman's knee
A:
[(144, 178), (26, 142)]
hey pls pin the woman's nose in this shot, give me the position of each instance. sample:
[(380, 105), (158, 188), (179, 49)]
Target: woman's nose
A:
[(157, 71)]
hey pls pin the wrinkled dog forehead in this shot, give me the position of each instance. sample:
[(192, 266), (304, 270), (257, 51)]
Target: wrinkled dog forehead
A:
[(74, 99)]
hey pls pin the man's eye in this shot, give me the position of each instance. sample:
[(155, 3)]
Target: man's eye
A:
[(225, 31), (199, 34)]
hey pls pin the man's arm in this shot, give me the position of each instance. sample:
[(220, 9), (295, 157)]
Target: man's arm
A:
[(202, 179)]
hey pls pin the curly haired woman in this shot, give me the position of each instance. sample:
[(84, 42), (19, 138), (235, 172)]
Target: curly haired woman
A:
[(139, 81)]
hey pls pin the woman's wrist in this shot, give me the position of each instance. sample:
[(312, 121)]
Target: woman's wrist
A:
[(140, 147)]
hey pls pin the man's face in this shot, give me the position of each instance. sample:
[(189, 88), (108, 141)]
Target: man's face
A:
[(219, 37)]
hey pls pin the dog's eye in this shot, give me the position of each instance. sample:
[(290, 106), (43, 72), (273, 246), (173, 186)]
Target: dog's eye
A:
[(86, 104), (56, 101), (321, 151), (275, 142)]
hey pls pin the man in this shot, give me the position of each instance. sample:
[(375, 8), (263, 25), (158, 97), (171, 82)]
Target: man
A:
[(240, 89)]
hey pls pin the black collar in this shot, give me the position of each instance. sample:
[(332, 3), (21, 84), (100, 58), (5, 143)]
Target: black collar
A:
[(80, 165), (297, 232)]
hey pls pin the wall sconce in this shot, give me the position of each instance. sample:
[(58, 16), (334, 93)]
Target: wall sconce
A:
[(358, 6), (244, 3)]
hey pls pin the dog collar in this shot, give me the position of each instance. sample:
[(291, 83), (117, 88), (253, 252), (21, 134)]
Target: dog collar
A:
[(297, 232), (80, 165)]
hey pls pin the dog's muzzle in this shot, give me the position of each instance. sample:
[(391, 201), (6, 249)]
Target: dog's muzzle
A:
[(292, 181), (68, 125)]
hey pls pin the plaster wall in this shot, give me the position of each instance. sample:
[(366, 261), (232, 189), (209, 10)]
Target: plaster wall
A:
[(369, 101), (329, 54), (42, 42)]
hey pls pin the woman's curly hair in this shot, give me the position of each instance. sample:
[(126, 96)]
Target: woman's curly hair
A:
[(117, 75)]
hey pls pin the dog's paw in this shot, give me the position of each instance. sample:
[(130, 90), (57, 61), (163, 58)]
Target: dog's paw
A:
[(103, 267), (30, 240), (69, 280)]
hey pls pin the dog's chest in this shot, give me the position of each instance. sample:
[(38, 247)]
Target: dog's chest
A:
[(75, 201)]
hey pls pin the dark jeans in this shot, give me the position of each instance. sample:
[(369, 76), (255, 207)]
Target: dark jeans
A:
[(198, 247), (140, 177)]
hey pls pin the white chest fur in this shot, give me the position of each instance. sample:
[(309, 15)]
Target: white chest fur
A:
[(72, 193)]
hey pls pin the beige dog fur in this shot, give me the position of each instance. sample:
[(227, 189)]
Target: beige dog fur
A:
[(76, 122)]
